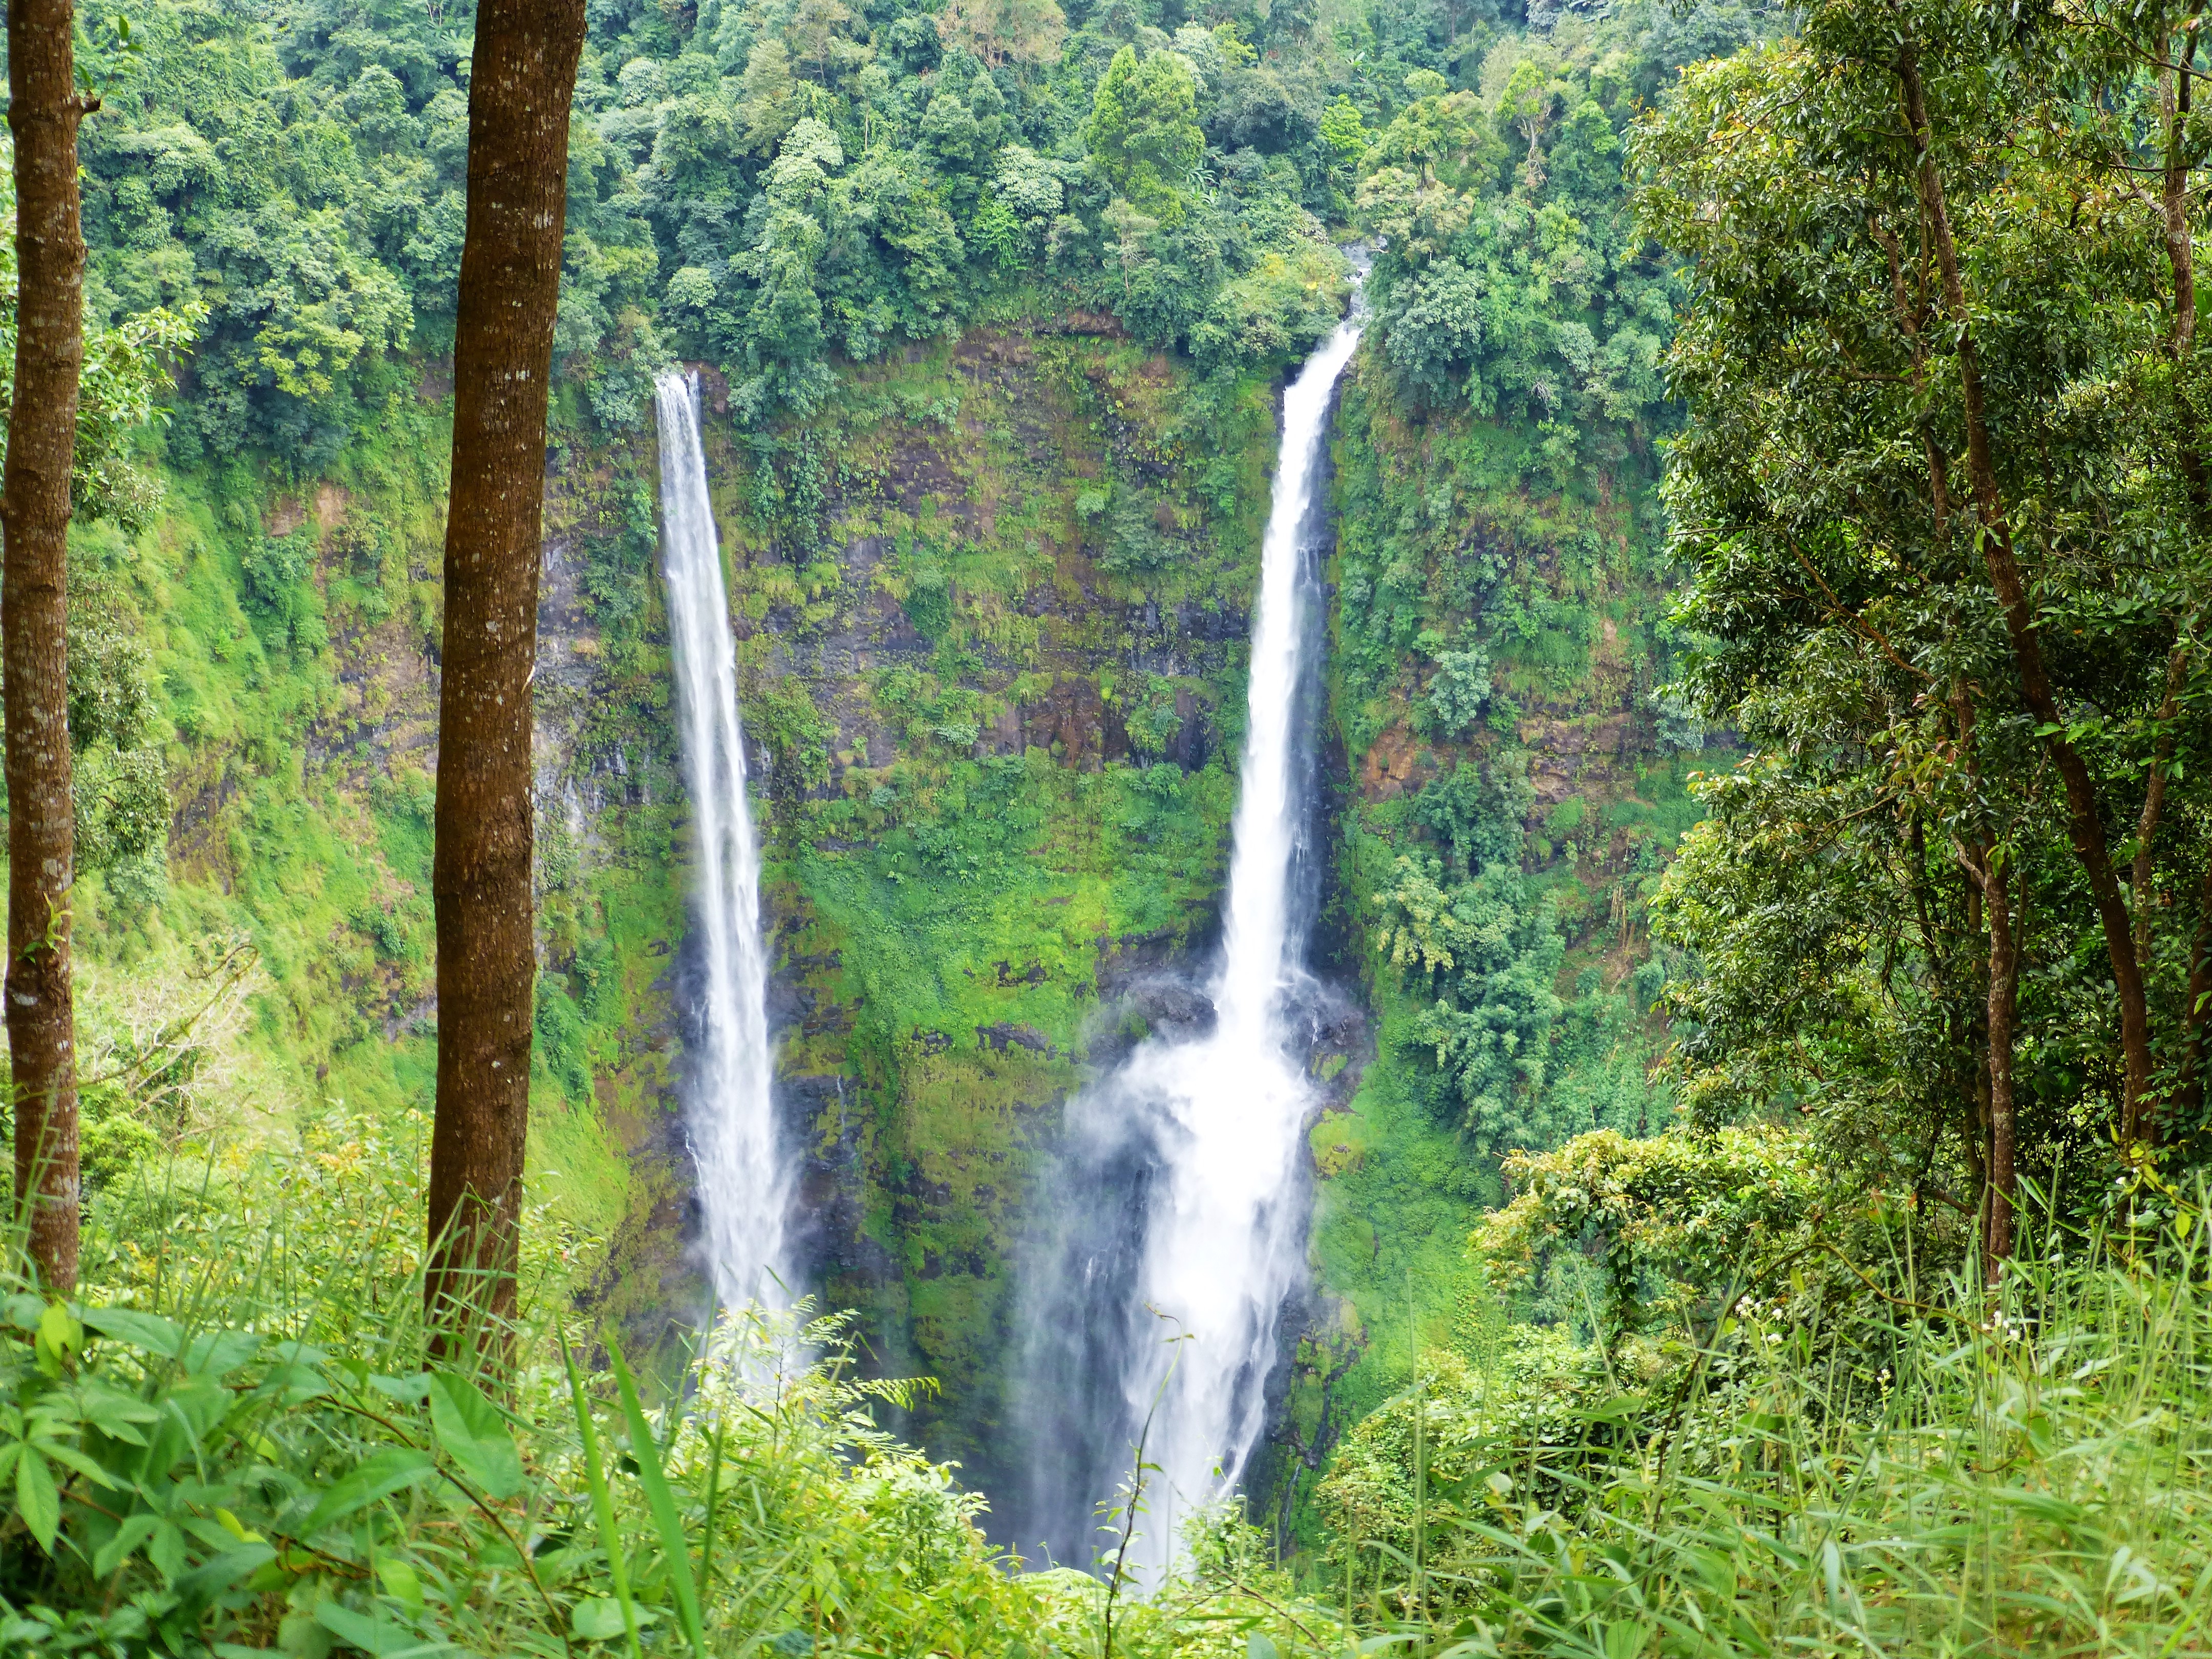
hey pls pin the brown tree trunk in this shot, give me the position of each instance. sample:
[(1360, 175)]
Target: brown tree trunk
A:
[(2153, 806), (1975, 1130), (523, 76), (43, 112), (2084, 827), (2195, 1014), (2004, 996), (2181, 256)]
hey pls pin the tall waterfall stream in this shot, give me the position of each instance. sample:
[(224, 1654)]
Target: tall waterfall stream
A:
[(1154, 1306), (744, 1178)]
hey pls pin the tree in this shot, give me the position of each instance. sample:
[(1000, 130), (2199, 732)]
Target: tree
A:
[(1143, 133), (523, 72), (34, 515), (1025, 31), (1940, 502)]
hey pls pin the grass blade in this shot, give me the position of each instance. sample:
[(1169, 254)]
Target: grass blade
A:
[(602, 1507), (665, 1520)]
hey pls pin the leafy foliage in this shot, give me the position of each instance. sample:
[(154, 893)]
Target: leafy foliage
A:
[(247, 1451), (1915, 790)]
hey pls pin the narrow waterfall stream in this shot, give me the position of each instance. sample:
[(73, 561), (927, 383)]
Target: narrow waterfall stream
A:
[(1153, 1312), (744, 1183)]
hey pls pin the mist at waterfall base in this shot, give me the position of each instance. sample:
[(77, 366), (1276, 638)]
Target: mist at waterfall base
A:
[(728, 1078), (1173, 1229)]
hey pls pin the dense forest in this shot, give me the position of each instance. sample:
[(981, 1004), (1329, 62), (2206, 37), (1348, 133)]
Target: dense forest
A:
[(1751, 1030)]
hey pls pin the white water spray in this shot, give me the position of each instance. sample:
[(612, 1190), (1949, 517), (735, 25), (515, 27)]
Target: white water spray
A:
[(744, 1185), (1203, 1135)]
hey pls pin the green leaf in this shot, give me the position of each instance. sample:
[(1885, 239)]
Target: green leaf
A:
[(400, 1581), (602, 1498), (1619, 1407), (667, 1521), (600, 1619), (135, 1531), (166, 1550), (60, 1337), (390, 1471), (375, 1636), (473, 1432), (41, 1505), (140, 1330), (216, 1354), (62, 1453), (211, 1578), (115, 1413)]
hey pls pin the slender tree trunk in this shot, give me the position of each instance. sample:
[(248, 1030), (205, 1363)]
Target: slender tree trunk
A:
[(1908, 319), (2153, 806), (2181, 255), (43, 113), (1989, 901), (523, 76), (2004, 996), (1976, 1131), (2085, 826), (2196, 1012)]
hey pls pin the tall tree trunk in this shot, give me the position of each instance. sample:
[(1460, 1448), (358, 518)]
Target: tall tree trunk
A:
[(2181, 256), (43, 112), (1974, 1132), (2153, 806), (2004, 996), (2196, 1013), (2085, 826), (523, 77)]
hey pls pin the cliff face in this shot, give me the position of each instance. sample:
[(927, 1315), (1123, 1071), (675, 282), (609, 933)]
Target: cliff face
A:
[(991, 603)]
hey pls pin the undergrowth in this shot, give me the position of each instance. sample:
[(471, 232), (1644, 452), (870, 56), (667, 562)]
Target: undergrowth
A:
[(234, 1445), (1924, 1466)]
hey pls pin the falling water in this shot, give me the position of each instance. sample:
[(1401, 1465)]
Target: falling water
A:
[(743, 1183), (1155, 1315)]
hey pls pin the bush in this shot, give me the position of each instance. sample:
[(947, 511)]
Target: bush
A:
[(233, 1444), (1918, 1465)]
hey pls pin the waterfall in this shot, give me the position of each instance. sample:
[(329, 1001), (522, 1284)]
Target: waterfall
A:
[(744, 1182), (1155, 1314)]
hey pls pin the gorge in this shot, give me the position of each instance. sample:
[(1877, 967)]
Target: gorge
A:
[(962, 604), (1354, 953)]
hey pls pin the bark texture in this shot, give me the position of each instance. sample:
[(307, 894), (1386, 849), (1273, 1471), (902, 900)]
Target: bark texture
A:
[(524, 74), (2181, 254), (34, 513)]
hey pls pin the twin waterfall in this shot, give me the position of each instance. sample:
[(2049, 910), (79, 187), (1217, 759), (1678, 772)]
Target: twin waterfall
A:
[(744, 1183), (1173, 1229)]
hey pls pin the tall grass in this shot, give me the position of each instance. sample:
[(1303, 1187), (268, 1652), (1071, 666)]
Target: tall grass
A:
[(233, 1445), (1929, 1468)]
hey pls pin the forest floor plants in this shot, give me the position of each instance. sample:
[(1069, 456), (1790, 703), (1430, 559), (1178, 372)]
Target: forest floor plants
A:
[(1935, 1467), (233, 1446)]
